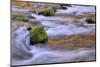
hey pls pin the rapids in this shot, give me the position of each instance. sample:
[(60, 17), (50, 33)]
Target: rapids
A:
[(23, 53)]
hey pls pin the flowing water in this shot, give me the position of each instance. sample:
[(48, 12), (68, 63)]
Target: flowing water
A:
[(23, 53), (55, 27), (77, 10)]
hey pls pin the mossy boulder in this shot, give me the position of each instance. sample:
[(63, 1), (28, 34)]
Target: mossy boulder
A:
[(38, 35), (91, 20), (20, 17), (49, 11)]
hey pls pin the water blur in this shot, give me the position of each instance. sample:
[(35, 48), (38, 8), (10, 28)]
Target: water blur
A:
[(23, 53)]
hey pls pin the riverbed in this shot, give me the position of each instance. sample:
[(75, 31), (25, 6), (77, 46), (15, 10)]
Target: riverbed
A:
[(71, 38)]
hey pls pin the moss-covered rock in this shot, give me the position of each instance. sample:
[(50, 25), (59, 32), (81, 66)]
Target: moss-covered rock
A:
[(20, 17), (47, 11), (38, 35), (91, 20)]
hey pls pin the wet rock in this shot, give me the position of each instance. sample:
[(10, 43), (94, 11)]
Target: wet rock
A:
[(91, 20), (47, 11), (29, 28), (63, 8), (65, 5), (20, 17), (38, 35)]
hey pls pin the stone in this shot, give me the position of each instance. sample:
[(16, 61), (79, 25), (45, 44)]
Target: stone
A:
[(38, 35), (20, 17), (47, 11), (91, 20)]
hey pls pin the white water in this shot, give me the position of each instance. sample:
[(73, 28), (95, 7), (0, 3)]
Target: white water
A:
[(55, 28), (25, 54), (77, 10)]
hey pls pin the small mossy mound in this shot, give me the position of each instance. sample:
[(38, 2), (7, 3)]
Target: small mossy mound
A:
[(20, 17), (38, 35), (91, 20), (47, 11)]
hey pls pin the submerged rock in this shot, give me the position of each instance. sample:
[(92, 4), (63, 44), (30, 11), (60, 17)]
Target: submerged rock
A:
[(38, 35)]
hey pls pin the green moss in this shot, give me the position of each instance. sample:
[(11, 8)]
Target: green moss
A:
[(38, 35), (91, 20), (48, 11), (20, 18)]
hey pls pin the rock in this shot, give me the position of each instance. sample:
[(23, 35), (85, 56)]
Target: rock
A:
[(31, 22), (91, 20), (47, 11), (64, 8), (65, 5), (38, 35), (20, 17), (29, 28)]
